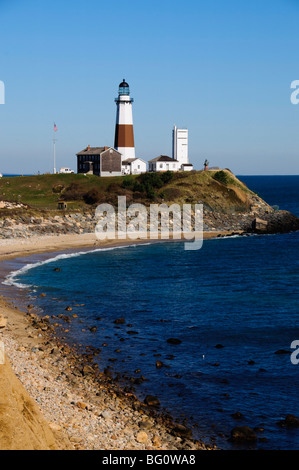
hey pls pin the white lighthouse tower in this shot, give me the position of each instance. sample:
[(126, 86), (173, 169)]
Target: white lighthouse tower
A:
[(180, 145), (124, 134)]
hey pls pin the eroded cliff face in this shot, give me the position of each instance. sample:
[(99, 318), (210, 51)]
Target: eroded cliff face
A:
[(22, 426), (25, 227)]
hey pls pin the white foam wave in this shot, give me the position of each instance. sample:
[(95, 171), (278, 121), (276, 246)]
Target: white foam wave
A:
[(12, 278)]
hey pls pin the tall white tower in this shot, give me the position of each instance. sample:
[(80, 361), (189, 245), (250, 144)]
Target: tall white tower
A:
[(124, 134), (180, 145)]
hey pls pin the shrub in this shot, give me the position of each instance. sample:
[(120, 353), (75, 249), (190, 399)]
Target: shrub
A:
[(223, 177), (167, 176), (128, 182), (114, 188), (171, 194), (73, 192), (92, 196), (151, 180), (139, 187), (150, 193), (58, 188)]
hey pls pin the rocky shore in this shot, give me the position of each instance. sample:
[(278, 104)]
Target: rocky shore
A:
[(25, 226), (83, 407)]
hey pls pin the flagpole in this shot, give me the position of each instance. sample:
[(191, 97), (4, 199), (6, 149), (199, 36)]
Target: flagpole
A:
[(54, 151)]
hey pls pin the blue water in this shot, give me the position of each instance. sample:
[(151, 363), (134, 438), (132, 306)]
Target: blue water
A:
[(281, 191), (240, 293)]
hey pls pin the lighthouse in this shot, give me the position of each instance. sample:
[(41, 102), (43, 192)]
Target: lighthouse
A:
[(124, 134)]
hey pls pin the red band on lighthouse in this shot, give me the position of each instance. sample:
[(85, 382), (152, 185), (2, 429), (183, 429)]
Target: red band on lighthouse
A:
[(124, 136)]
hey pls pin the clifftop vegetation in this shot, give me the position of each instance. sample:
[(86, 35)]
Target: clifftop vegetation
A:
[(219, 191)]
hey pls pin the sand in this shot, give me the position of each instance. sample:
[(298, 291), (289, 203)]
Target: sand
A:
[(24, 247)]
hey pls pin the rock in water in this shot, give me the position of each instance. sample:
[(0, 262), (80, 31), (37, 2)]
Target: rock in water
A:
[(243, 434), (290, 421), (174, 341), (119, 321), (151, 400)]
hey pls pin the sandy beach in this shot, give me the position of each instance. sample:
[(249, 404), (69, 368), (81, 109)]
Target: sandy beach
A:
[(53, 399)]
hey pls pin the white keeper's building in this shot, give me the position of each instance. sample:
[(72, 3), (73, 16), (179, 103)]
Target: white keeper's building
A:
[(164, 163), (133, 166), (180, 158)]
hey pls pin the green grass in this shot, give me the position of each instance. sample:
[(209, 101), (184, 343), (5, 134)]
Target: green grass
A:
[(42, 192), (37, 191)]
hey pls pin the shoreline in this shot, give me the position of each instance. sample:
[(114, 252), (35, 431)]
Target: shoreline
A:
[(14, 248), (102, 415)]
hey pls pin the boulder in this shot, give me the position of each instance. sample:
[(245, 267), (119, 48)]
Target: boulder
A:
[(181, 430), (259, 225), (242, 434), (174, 341), (142, 437), (290, 421), (119, 321), (151, 400)]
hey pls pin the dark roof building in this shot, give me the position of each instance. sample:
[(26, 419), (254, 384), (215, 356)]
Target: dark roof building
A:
[(92, 150), (101, 161)]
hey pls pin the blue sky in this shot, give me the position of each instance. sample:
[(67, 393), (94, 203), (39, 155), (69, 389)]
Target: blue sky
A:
[(223, 69)]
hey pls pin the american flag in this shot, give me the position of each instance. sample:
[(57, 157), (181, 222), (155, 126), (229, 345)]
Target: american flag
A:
[(55, 127)]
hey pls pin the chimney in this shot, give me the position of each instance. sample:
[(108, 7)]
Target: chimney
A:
[(88, 148)]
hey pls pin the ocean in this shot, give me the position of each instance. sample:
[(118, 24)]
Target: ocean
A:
[(231, 305)]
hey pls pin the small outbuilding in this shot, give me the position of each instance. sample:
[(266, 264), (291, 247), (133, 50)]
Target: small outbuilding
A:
[(62, 205), (164, 163), (133, 166)]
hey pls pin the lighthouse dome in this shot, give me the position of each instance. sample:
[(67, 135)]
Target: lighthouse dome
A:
[(123, 88), (123, 83)]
